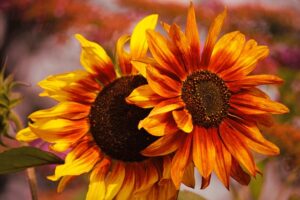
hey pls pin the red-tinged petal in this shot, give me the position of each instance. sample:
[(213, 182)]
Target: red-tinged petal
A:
[(181, 161), (95, 60), (159, 125), (165, 145), (183, 120), (203, 150), (167, 106), (238, 173), (165, 26), (123, 57), (97, 185), (189, 176), (146, 179), (253, 81), (128, 184), (223, 160), (180, 47), (144, 97), (236, 146), (212, 37), (247, 102), (205, 182), (163, 55), (253, 138), (192, 35), (162, 84), (226, 51), (66, 109), (114, 180)]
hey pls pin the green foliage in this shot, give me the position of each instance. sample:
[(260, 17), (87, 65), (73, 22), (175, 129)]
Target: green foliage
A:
[(18, 159), (256, 185), (8, 100), (184, 194)]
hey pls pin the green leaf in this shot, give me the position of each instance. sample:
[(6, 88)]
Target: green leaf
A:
[(257, 184), (18, 159)]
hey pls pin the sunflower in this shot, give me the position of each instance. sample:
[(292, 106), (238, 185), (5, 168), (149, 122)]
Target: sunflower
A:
[(97, 128), (206, 107)]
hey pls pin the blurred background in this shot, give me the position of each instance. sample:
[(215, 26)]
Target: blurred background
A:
[(36, 40)]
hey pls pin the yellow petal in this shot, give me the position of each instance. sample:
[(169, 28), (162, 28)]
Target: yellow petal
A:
[(60, 130), (80, 160), (128, 185), (183, 120), (97, 186), (63, 183), (26, 135), (167, 106), (114, 180), (95, 60), (69, 110), (138, 41), (144, 97)]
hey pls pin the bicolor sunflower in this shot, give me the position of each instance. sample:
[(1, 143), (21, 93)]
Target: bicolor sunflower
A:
[(206, 105), (97, 129)]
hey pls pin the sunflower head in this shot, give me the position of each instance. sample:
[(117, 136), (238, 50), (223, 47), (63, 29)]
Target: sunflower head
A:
[(206, 104), (98, 128)]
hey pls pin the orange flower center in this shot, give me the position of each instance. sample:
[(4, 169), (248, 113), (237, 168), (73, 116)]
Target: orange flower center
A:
[(113, 123), (206, 97)]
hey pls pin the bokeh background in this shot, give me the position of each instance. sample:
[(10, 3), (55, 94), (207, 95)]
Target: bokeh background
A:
[(36, 40)]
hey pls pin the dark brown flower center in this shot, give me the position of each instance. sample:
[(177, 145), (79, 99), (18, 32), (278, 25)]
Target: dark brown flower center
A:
[(206, 97), (114, 123)]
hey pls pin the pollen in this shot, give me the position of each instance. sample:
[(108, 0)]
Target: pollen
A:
[(206, 97)]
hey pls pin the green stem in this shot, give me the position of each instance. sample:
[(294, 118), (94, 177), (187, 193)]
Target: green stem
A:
[(30, 172)]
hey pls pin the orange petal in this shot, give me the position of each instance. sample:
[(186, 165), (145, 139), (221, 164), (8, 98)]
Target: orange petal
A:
[(146, 178), (114, 180), (128, 185), (64, 181), (124, 58), (236, 146), (68, 110), (163, 85), (254, 139), (165, 145), (205, 182), (144, 97), (247, 61), (238, 173), (163, 55), (226, 51), (247, 103), (181, 161), (192, 35), (97, 186), (159, 125), (80, 160), (183, 120), (212, 37), (203, 150), (167, 106), (95, 60), (189, 176), (253, 81), (223, 160)]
